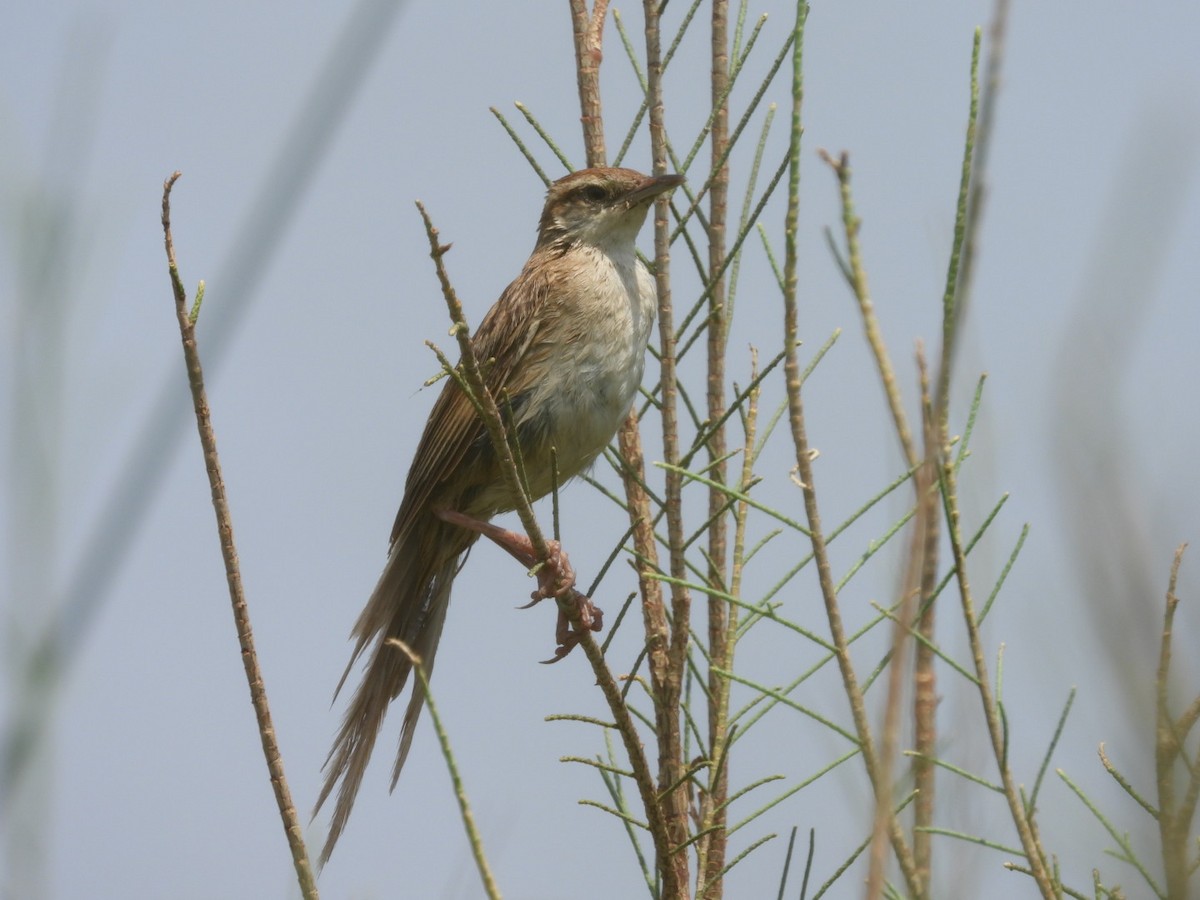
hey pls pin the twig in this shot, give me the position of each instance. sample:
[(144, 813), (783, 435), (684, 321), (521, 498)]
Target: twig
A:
[(903, 625), (1035, 854), (925, 697), (992, 78), (953, 309), (669, 812), (588, 32), (711, 851), (1174, 812), (805, 468), (233, 575), (723, 734), (674, 868), (460, 794), (857, 276), (921, 571)]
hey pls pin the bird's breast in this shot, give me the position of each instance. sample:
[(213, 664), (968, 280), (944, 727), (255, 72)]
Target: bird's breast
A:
[(594, 356)]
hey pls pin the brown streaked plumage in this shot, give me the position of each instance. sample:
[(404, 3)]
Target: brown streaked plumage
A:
[(566, 342)]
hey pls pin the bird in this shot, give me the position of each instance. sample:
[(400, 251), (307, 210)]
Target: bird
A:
[(565, 346)]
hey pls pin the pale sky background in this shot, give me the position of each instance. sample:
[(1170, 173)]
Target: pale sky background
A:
[(1085, 318)]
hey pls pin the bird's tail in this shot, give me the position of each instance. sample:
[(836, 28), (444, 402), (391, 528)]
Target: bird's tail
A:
[(409, 603)]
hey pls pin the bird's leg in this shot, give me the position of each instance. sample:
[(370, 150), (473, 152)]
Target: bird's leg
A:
[(555, 576)]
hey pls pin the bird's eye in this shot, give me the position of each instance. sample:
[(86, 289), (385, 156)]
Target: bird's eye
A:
[(593, 193)]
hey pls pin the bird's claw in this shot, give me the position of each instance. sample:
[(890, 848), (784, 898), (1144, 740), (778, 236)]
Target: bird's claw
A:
[(591, 617), (555, 576)]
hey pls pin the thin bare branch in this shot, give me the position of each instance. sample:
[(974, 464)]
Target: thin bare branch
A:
[(233, 575), (588, 32), (804, 460)]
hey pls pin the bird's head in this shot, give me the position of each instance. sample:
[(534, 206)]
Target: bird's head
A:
[(601, 207)]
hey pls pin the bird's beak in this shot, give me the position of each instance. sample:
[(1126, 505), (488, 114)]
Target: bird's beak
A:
[(652, 187)]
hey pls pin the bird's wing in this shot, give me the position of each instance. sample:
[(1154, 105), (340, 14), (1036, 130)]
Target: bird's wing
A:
[(504, 345)]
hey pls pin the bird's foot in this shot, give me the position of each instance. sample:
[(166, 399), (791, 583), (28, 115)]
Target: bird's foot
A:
[(591, 617), (555, 577)]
